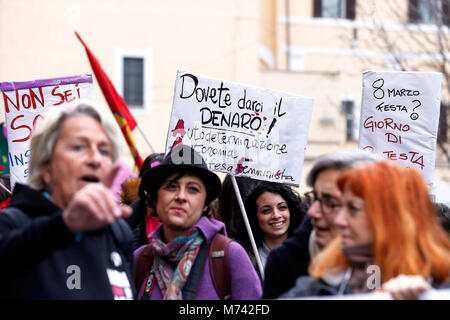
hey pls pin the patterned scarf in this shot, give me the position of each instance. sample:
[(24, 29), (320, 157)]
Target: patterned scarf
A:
[(181, 252)]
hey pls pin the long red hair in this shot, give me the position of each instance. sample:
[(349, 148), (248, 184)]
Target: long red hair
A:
[(408, 238)]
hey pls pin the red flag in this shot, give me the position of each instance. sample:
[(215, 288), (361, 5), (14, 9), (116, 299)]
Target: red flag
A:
[(119, 108)]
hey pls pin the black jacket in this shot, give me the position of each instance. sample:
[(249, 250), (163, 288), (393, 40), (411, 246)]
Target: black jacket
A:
[(311, 287), (137, 223), (287, 262), (43, 260)]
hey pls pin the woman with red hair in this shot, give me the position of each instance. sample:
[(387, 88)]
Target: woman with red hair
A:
[(389, 234)]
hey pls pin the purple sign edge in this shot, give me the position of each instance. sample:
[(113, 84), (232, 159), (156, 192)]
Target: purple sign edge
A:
[(11, 86)]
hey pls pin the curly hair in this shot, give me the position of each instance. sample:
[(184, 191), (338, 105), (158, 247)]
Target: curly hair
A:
[(228, 206), (297, 209)]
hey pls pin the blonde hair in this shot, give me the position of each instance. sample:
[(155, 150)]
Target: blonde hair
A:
[(46, 134)]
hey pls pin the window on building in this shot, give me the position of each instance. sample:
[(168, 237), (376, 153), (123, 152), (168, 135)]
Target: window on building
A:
[(348, 106), (443, 123), (340, 9), (425, 9), (133, 82), (429, 11)]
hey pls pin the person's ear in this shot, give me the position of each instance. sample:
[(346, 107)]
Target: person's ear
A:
[(45, 174)]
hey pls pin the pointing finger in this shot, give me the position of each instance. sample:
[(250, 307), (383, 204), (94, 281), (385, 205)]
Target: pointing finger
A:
[(109, 179)]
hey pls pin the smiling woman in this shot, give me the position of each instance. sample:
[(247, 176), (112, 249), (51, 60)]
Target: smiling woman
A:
[(65, 218), (180, 259), (274, 211)]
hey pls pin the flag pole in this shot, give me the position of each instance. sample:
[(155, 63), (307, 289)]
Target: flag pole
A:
[(247, 225), (145, 138), (5, 188), (116, 103)]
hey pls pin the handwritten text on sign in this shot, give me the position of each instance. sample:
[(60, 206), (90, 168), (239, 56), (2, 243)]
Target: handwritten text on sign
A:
[(399, 117), (25, 103), (241, 130)]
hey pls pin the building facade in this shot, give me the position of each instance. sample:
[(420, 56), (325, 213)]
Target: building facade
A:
[(313, 48)]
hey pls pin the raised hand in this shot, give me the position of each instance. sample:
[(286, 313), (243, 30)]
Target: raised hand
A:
[(406, 287), (94, 206)]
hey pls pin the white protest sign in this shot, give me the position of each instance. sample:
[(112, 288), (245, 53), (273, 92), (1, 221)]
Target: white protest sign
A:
[(239, 129), (400, 116), (24, 104)]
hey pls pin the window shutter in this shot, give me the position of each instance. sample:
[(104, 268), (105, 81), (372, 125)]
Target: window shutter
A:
[(133, 81)]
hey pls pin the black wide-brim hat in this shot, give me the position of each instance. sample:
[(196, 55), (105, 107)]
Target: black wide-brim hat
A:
[(181, 159)]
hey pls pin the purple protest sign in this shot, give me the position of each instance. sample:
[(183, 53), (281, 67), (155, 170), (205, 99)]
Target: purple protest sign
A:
[(25, 102)]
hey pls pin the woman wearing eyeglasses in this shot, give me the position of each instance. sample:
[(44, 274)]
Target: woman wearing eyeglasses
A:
[(290, 260), (388, 228)]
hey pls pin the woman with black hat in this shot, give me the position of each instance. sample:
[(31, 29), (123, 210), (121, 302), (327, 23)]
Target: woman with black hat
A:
[(190, 257)]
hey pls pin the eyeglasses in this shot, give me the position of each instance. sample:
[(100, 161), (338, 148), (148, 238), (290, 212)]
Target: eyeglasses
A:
[(328, 203)]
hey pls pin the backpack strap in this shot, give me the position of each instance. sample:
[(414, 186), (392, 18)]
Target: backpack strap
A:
[(143, 265), (219, 266), (190, 288)]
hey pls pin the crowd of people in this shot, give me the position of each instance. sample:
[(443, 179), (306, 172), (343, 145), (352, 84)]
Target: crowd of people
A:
[(364, 226)]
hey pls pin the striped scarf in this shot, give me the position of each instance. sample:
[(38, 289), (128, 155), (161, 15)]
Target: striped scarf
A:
[(181, 252)]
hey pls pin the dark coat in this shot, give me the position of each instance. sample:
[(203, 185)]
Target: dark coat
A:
[(311, 287), (39, 260), (287, 262), (137, 223)]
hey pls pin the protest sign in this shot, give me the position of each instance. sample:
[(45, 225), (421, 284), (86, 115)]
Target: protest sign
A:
[(239, 129), (399, 117), (25, 102)]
